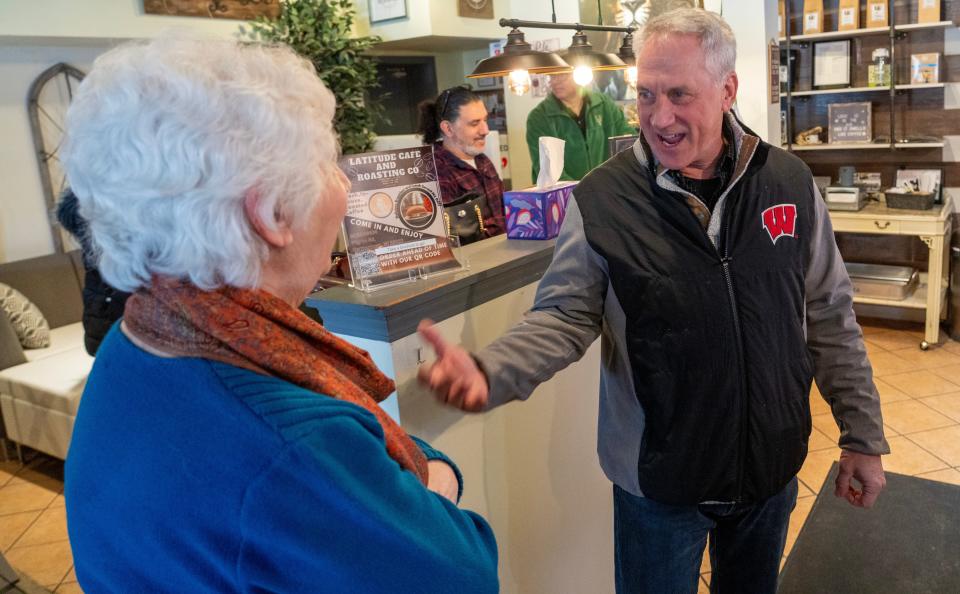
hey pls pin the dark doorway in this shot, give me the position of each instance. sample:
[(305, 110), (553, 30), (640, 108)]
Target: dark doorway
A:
[(407, 80)]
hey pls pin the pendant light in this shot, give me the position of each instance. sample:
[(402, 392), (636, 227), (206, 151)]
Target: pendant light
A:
[(517, 62), (585, 60), (626, 54)]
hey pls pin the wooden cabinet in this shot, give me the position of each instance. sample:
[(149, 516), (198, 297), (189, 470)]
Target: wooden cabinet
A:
[(933, 227)]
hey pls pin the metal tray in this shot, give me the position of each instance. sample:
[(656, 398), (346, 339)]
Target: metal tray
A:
[(881, 281)]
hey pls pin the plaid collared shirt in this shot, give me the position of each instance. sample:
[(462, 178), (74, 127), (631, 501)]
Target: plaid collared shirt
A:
[(718, 184), (457, 179)]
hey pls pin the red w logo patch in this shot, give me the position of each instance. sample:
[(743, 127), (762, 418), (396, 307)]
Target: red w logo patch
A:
[(780, 220)]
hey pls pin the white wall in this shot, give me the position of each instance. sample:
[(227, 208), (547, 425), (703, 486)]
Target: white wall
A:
[(35, 35), (433, 17), (754, 24), (24, 230), (97, 19)]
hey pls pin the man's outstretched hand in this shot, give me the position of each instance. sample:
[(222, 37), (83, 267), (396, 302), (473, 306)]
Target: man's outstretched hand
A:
[(868, 470), (454, 377)]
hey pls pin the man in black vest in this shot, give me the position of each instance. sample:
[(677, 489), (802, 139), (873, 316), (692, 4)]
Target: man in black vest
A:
[(705, 261)]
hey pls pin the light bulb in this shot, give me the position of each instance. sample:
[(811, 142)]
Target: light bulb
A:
[(582, 75), (519, 82), (630, 74)]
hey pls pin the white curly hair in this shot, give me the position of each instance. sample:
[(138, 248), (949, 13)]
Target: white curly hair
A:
[(717, 40), (165, 138)]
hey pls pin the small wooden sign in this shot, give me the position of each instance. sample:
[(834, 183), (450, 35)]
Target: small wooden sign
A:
[(219, 9), (850, 122), (476, 9)]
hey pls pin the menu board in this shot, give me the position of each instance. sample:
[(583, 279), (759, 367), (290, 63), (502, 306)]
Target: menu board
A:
[(850, 122), (394, 227)]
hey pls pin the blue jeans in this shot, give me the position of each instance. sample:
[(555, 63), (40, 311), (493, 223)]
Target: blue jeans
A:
[(658, 547)]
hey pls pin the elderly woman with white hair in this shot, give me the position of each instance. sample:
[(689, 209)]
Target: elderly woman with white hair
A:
[(226, 442)]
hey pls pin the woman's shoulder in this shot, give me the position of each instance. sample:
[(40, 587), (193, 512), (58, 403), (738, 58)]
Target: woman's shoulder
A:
[(291, 410)]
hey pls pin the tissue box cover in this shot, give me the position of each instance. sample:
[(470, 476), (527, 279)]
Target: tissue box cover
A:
[(535, 213)]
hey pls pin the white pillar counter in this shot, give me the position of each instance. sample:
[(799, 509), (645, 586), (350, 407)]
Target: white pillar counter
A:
[(530, 468)]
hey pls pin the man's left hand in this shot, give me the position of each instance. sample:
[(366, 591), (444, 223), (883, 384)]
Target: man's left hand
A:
[(868, 470)]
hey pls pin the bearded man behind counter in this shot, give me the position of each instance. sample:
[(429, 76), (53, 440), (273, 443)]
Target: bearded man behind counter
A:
[(455, 123)]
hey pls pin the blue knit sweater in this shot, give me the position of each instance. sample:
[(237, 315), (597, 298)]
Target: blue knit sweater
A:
[(186, 475)]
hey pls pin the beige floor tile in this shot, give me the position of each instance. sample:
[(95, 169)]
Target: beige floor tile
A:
[(887, 363), (7, 470), (51, 526), (71, 575), (894, 340), (42, 470), (908, 458), (934, 358), (947, 475), (951, 346), (45, 564), (69, 588), (12, 527), (947, 404), (797, 518), (921, 383), (816, 466), (949, 372), (827, 425), (819, 441), (803, 490), (705, 561), (59, 501), (873, 349), (888, 393), (24, 497), (910, 416), (703, 587), (942, 443), (818, 405)]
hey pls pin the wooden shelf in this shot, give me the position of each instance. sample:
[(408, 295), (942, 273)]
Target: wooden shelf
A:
[(837, 34), (865, 146), (833, 91), (919, 86), (864, 32), (920, 26), (910, 145), (861, 90)]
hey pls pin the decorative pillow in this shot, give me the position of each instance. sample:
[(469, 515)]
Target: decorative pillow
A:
[(11, 353), (27, 321)]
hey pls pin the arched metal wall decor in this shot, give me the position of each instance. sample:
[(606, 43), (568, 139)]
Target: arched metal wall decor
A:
[(47, 102)]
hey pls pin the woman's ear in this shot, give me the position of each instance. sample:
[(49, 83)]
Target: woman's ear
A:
[(275, 233)]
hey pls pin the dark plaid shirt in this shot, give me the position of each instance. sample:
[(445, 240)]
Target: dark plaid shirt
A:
[(709, 190), (458, 178)]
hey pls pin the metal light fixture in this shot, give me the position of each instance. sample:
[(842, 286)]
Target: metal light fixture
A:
[(626, 54), (585, 60), (518, 55), (519, 60)]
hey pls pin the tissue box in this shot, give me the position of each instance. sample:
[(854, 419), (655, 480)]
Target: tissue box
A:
[(534, 213)]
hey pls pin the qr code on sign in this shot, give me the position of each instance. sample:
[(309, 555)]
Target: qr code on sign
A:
[(366, 264)]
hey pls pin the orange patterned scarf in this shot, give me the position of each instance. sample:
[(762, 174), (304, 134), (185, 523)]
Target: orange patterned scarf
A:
[(253, 329)]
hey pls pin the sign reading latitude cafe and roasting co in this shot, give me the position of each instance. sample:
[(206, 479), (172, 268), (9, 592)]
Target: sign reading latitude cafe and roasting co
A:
[(394, 222)]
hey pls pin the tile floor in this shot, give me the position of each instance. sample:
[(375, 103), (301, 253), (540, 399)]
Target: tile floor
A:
[(920, 391)]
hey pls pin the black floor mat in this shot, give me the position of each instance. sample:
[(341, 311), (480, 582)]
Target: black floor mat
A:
[(908, 543)]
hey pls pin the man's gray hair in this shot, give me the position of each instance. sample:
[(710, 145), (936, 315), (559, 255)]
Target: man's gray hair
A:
[(164, 140), (716, 37)]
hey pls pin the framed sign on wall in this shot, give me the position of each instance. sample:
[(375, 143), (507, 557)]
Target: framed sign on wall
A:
[(221, 9), (476, 9), (387, 10)]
